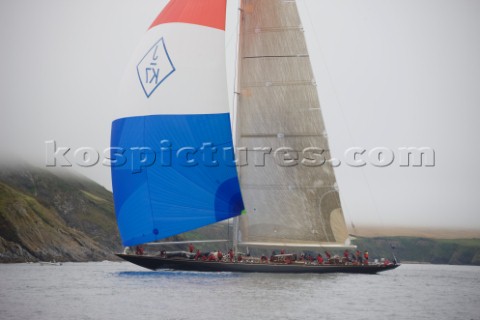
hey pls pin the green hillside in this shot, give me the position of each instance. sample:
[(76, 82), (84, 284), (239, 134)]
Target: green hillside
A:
[(45, 217), (412, 249)]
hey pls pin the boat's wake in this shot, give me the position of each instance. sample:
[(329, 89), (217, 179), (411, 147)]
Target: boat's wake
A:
[(175, 273)]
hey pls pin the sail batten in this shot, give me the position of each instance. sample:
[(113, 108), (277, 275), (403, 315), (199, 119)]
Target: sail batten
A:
[(305, 135), (278, 56), (278, 108)]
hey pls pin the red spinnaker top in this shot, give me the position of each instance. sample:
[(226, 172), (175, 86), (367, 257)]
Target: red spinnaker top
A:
[(209, 13)]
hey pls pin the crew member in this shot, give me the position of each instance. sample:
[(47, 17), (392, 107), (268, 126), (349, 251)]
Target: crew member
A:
[(328, 255), (345, 255), (197, 255), (320, 259), (191, 248), (352, 257), (212, 257), (358, 255), (365, 256), (310, 258)]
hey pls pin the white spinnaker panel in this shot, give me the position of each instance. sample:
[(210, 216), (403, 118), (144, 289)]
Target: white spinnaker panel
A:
[(191, 74)]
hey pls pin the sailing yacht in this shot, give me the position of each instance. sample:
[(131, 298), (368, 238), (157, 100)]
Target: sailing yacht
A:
[(175, 167)]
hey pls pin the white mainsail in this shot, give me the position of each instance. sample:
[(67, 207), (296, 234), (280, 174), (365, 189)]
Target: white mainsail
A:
[(278, 107)]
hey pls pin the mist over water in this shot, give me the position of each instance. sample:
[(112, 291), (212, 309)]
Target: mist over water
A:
[(111, 290)]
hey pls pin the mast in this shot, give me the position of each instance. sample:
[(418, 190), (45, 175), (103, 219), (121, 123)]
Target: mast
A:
[(236, 223)]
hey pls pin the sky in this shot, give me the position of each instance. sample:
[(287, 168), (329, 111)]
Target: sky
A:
[(389, 74)]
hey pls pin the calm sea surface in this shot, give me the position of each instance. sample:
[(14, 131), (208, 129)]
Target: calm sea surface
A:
[(114, 290)]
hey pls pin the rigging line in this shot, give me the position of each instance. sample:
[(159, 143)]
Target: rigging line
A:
[(307, 9), (228, 232), (235, 74)]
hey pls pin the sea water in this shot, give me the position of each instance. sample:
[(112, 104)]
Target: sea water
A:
[(114, 290)]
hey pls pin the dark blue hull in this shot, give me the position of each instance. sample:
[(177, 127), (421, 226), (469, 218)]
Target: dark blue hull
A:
[(155, 263)]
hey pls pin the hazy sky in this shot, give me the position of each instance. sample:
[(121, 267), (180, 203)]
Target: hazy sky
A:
[(389, 74)]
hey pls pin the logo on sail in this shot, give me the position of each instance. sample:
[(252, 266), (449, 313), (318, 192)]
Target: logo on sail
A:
[(155, 67)]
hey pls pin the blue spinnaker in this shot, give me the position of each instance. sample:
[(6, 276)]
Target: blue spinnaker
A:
[(172, 174)]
